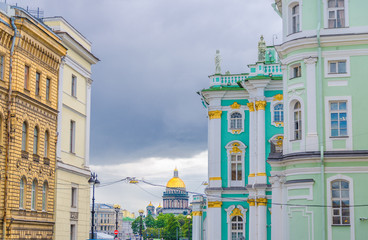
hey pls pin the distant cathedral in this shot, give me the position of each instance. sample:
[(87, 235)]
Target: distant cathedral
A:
[(175, 198)]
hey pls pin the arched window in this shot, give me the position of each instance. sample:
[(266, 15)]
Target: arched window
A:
[(236, 121), (46, 147), (35, 141), (22, 189), (340, 202), (336, 13), (295, 19), (44, 196), (24, 136), (236, 167), (297, 119), (237, 228), (279, 113), (34, 194)]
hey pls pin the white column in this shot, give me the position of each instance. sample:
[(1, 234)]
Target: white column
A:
[(261, 142), (88, 121), (262, 218), (252, 215), (286, 108), (60, 107), (252, 143), (276, 216), (312, 137), (197, 227), (214, 148), (214, 220)]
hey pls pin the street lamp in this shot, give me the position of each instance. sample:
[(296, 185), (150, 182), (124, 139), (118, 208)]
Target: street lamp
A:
[(141, 225), (117, 209), (189, 218), (94, 182)]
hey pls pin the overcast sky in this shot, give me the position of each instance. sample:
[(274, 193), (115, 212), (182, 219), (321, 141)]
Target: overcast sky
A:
[(155, 55)]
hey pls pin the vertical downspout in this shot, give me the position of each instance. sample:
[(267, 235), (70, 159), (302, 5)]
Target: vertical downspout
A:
[(8, 128), (320, 119)]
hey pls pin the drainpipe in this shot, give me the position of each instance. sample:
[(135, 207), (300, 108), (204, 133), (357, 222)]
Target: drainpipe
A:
[(320, 119), (7, 155)]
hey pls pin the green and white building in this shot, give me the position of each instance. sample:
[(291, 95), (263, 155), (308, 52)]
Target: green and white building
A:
[(319, 182), (245, 124)]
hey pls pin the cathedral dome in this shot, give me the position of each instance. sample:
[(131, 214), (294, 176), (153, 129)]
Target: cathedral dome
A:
[(175, 182)]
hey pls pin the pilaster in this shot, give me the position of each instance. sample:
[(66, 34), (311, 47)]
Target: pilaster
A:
[(252, 142), (214, 219), (312, 137), (214, 148), (276, 228), (261, 148)]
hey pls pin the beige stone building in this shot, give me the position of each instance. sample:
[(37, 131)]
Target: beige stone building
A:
[(30, 56), (72, 213)]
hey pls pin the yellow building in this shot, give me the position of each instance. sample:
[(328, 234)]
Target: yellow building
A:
[(30, 56), (72, 168)]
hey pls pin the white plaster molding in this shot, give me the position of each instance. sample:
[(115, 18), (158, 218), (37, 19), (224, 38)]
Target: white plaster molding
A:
[(272, 108), (77, 67), (308, 215), (228, 220), (336, 58), (73, 169), (231, 111), (337, 83), (351, 203), (299, 186), (242, 147)]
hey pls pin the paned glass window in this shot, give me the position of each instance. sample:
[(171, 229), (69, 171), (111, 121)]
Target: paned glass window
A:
[(26, 77), (46, 147), (236, 121), (44, 196), (35, 141), (296, 71), (295, 19), (2, 67), (48, 89), (237, 228), (236, 167), (336, 13), (278, 112), (74, 86), (24, 136), (21, 192), (38, 78), (297, 121), (33, 195), (72, 136), (74, 197), (340, 202), (337, 67), (338, 114)]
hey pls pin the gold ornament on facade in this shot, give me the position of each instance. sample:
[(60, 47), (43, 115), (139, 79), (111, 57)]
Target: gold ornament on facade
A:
[(215, 114), (236, 212), (278, 97), (251, 202), (261, 105), (197, 213), (262, 174), (279, 141), (262, 201), (235, 131), (279, 124), (216, 204), (251, 175), (235, 105), (235, 148), (215, 178), (250, 106)]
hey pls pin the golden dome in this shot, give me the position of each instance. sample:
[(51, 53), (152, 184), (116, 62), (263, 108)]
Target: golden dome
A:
[(159, 205), (150, 205), (175, 182)]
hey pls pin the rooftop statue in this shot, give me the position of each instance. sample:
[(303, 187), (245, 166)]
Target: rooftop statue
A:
[(261, 50), (218, 62)]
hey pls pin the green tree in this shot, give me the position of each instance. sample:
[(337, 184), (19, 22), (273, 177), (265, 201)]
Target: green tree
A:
[(187, 228), (137, 224), (149, 221), (161, 220), (172, 228)]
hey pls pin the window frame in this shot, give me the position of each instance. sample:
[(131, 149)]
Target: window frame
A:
[(326, 16), (295, 25), (335, 10), (24, 146), (292, 72), (46, 145), (74, 196), (48, 88), (22, 191), (27, 71), (241, 111), (300, 122), (273, 111), (290, 30), (34, 195), (45, 188), (338, 112), (38, 84), (336, 58), (36, 140), (230, 152), (243, 214), (73, 91), (2, 67), (72, 136)]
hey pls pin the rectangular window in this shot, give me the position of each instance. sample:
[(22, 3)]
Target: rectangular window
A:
[(295, 19), (295, 71), (340, 202), (236, 168), (38, 77), (2, 67), (74, 197), (48, 89), (337, 67), (338, 113), (26, 77), (74, 86), (72, 136), (336, 13), (72, 232)]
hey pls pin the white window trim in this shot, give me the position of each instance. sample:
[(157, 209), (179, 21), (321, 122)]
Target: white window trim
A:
[(291, 70), (290, 15), (291, 125), (232, 131), (325, 10), (336, 75), (229, 147), (349, 138), (228, 220), (295, 186), (75, 208), (273, 104), (351, 202)]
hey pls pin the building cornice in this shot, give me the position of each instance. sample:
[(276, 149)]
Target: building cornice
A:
[(72, 169)]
